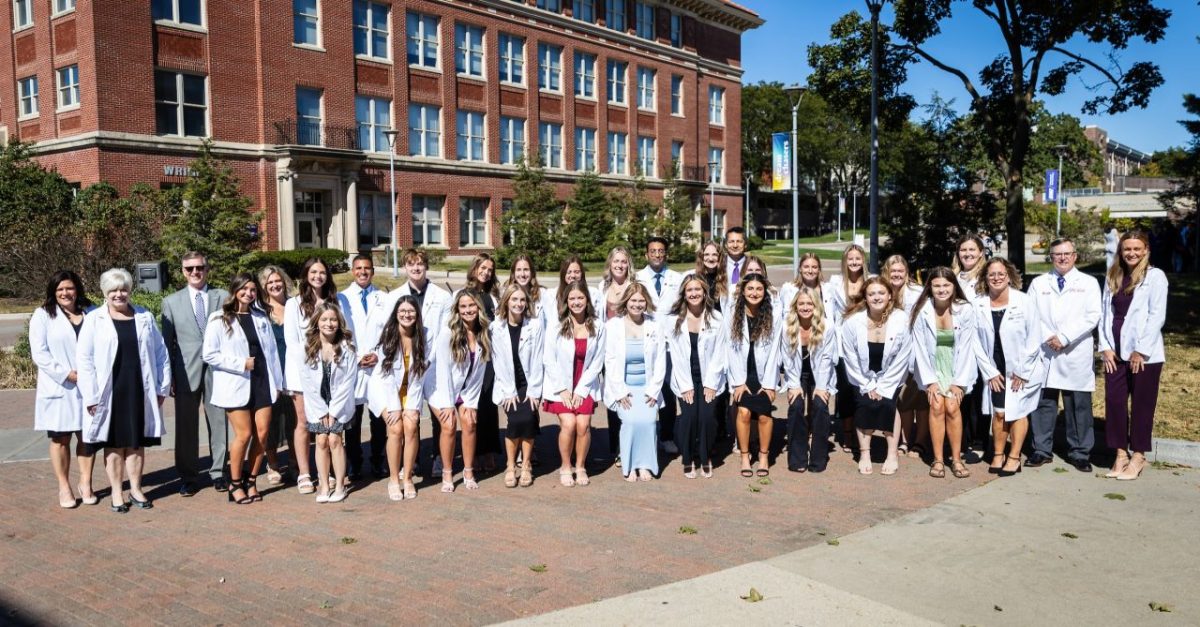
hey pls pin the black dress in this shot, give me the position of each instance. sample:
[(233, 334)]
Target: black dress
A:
[(523, 419), (260, 380), (755, 398), (871, 415), (998, 357), (127, 420)]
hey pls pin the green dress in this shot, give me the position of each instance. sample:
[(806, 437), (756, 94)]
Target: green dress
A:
[(943, 360)]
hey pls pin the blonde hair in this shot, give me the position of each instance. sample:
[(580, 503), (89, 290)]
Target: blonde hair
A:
[(264, 275), (458, 329), (852, 300), (343, 338), (956, 265), (505, 296), (607, 279), (721, 280), (799, 280), (630, 292), (793, 320), (1116, 274), (898, 293), (1014, 276)]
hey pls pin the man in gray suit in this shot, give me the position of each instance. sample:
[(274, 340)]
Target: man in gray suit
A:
[(184, 316)]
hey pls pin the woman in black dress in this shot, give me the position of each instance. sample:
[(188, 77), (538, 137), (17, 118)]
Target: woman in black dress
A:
[(517, 343), (482, 279), (753, 363)]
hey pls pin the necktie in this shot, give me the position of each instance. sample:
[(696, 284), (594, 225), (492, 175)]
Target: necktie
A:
[(1061, 282), (201, 314), (363, 293), (737, 274), (658, 283)]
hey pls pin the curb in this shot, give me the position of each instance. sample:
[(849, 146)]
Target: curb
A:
[(1176, 452), (16, 316)]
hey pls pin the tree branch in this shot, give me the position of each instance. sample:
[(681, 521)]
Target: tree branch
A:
[(962, 76), (1086, 61)]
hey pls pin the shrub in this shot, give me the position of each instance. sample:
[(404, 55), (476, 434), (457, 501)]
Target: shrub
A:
[(755, 242), (16, 372), (292, 261)]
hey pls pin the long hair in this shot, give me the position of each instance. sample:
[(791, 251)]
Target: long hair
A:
[(793, 320), (566, 329), (51, 302), (799, 280), (229, 308), (534, 290), (636, 288), (679, 308), (898, 293), (473, 283), (940, 272), (458, 330), (762, 323), (719, 279), (506, 296), (342, 338), (861, 303), (1116, 274), (957, 266), (308, 294), (607, 278), (562, 277), (1014, 275), (846, 282), (390, 340), (264, 275)]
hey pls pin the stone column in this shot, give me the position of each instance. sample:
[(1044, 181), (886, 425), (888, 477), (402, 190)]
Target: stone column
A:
[(284, 175)]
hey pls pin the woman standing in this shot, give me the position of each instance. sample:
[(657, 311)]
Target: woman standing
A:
[(460, 357), (272, 299), (124, 376), (846, 290), (912, 403), (967, 264), (482, 279), (397, 388), (1133, 311), (808, 274), (808, 354), (575, 345), (240, 347), (943, 328), (518, 363), (1010, 361), (524, 274), (710, 266), (570, 271), (635, 363), (53, 335), (694, 333), (968, 270), (611, 289), (327, 378), (877, 348), (752, 356)]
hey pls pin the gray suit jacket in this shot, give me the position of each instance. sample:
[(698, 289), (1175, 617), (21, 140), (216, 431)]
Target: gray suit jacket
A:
[(184, 338)]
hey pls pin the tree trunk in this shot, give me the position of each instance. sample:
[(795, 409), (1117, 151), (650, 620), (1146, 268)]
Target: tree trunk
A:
[(1014, 220)]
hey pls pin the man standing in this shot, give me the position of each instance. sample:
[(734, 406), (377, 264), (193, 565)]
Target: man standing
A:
[(663, 284), (1067, 304), (735, 255), (367, 304), (184, 317)]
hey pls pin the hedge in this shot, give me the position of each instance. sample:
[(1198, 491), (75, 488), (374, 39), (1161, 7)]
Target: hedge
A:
[(292, 261)]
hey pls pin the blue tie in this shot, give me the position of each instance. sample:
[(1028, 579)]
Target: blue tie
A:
[(363, 294), (1061, 282), (658, 283)]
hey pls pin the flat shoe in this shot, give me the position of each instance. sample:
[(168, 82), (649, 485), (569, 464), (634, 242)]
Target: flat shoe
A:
[(338, 496), (394, 492), (146, 504), (890, 466), (564, 477)]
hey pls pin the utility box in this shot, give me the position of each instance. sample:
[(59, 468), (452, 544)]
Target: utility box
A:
[(151, 276)]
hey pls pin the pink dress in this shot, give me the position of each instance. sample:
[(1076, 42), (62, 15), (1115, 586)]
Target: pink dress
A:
[(589, 404)]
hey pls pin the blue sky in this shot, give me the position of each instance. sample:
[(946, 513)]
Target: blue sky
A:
[(777, 51)]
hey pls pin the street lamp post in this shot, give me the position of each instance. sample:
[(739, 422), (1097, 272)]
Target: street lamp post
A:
[(712, 199), (796, 93), (875, 6), (390, 134), (1058, 200)]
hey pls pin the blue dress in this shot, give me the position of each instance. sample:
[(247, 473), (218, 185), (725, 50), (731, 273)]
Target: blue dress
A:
[(639, 423)]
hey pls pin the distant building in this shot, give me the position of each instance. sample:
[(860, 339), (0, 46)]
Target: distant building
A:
[(1121, 163)]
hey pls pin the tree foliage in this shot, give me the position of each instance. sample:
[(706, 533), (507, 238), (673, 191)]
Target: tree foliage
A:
[(592, 217), (36, 222), (535, 220), (1184, 201)]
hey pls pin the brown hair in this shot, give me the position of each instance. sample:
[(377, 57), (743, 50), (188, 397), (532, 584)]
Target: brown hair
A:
[(761, 324), (1116, 274), (861, 303), (940, 272), (473, 282), (564, 313), (342, 338), (392, 345), (230, 306), (680, 307), (505, 296), (535, 290), (720, 280), (1014, 276), (308, 294), (636, 288)]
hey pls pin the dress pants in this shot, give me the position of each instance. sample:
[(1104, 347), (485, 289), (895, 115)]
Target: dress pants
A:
[(696, 429), (187, 431), (800, 425), (1122, 388), (1077, 407), (354, 453), (666, 415)]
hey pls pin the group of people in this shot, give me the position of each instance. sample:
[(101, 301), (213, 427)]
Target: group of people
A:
[(674, 359)]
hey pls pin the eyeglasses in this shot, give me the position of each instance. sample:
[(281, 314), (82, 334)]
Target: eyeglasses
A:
[(191, 269), (1062, 255)]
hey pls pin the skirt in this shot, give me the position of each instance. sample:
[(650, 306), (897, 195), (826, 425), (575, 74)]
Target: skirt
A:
[(585, 408), (523, 421), (758, 403), (316, 427), (870, 415)]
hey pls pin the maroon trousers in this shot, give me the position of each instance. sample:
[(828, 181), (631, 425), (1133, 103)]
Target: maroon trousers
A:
[(1122, 389)]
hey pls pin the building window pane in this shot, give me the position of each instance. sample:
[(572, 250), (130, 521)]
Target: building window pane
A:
[(427, 220), (372, 34), (646, 156), (585, 10), (27, 93), (68, 86), (472, 221), (716, 163), (374, 116), (549, 67), (617, 155), (512, 140), (550, 144), (616, 81), (180, 104), (512, 59), (470, 136), (422, 40), (182, 11), (614, 14), (306, 21), (676, 94), (585, 75), (374, 220), (645, 20), (469, 54), (62, 6), (308, 116), (550, 5), (585, 149), (424, 131), (716, 105), (676, 30), (677, 157), (646, 78)]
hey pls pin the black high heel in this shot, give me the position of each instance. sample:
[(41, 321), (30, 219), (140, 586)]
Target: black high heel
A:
[(234, 486), (1008, 473)]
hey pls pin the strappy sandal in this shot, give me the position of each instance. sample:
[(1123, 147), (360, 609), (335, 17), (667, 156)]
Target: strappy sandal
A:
[(510, 478), (252, 490), (937, 470), (581, 477), (526, 477), (305, 485), (763, 465), (959, 469), (995, 470), (410, 490), (469, 482), (564, 477), (238, 485), (447, 486), (394, 492), (746, 470)]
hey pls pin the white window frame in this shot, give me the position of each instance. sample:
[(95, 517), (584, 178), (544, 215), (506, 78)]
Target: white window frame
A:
[(617, 82), (585, 149), (550, 68), (377, 205), (375, 130), (175, 20), (716, 105), (677, 94), (579, 8), (475, 145), (62, 7), (22, 14), (717, 175), (644, 14), (550, 144), (512, 59), (68, 93), (296, 15), (512, 140), (432, 210), (719, 218), (429, 126), (27, 100), (676, 30), (422, 39), (585, 75), (302, 120), (618, 153), (647, 155), (181, 106), (468, 50), (468, 220), (370, 31), (614, 11), (647, 77)]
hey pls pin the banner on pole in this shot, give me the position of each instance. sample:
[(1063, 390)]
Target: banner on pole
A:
[(781, 161), (1052, 184)]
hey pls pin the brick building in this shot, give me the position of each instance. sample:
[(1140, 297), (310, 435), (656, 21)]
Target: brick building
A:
[(297, 94)]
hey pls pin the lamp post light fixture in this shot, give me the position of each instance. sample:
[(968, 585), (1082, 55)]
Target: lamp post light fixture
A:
[(874, 6), (796, 94), (390, 134), (712, 199)]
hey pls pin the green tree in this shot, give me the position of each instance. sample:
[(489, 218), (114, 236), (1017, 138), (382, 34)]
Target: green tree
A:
[(119, 232), (766, 110), (591, 217), (535, 220), (1169, 163), (1184, 201), (37, 219), (675, 222), (1082, 164), (212, 216)]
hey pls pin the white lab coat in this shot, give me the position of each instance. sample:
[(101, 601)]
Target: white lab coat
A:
[(1022, 353), (671, 281), (454, 380), (226, 351), (968, 284), (897, 353), (654, 349), (94, 355), (1070, 315), (383, 390), (295, 330), (924, 340), (342, 378), (530, 351), (559, 364), (435, 308), (822, 358), (912, 292), (766, 354), (600, 298), (548, 308), (710, 343), (367, 327), (1142, 330), (52, 344)]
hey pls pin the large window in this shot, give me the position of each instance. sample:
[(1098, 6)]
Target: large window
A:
[(22, 14), (549, 67), (550, 5), (180, 104), (646, 77), (27, 95), (306, 22), (614, 15), (618, 159), (512, 140), (470, 136), (468, 57), (585, 149), (676, 94), (472, 221), (645, 20), (427, 220), (716, 105), (716, 163), (308, 116), (181, 11), (512, 59), (374, 220), (374, 116), (676, 30), (68, 86), (62, 6), (585, 10), (646, 156), (550, 144), (424, 130), (617, 71), (422, 40), (585, 75), (372, 33), (677, 157)]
